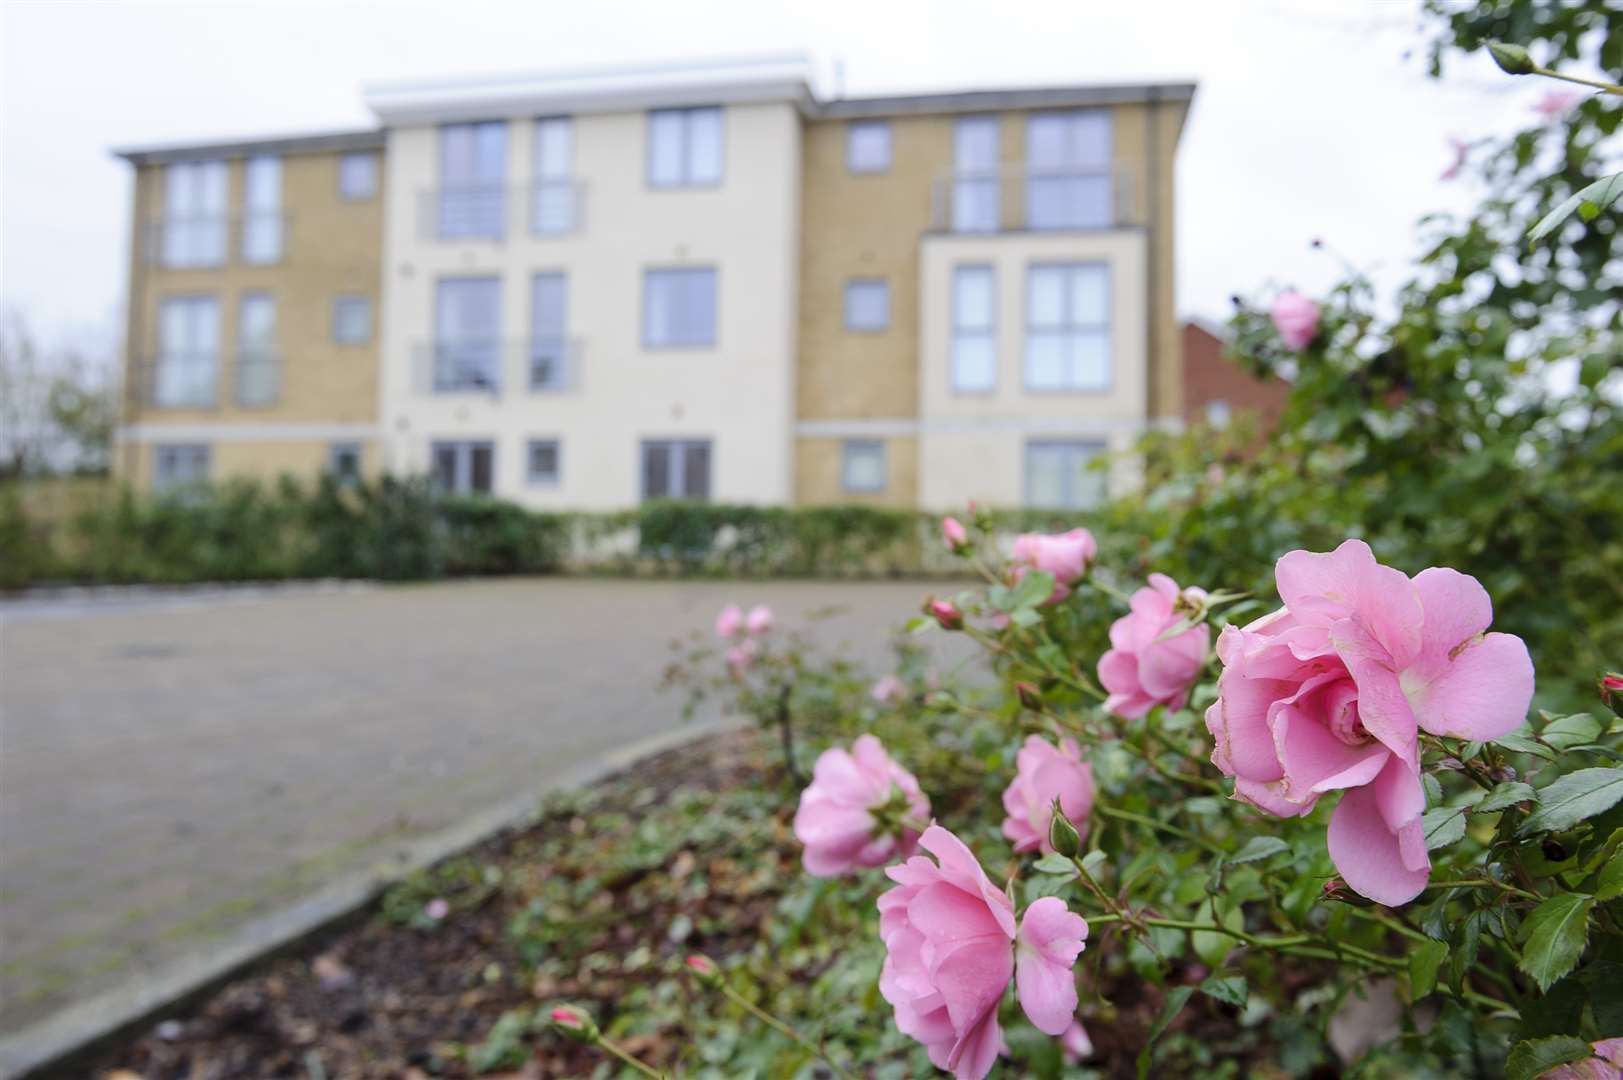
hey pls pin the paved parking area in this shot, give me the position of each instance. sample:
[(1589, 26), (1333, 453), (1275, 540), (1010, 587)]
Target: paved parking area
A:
[(173, 766)]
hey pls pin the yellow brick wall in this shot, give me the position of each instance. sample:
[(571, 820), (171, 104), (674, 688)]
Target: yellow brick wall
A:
[(264, 461), (817, 473)]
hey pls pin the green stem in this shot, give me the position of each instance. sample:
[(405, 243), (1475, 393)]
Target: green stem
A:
[(1173, 830), (1485, 883), (1607, 87), (645, 1069), (782, 1029)]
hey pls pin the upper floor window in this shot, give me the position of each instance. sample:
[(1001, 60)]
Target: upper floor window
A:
[(473, 170), (549, 342), (676, 469), (192, 232), (975, 187), (467, 328), (179, 465), (358, 176), (867, 304), (188, 362), (262, 209), (351, 319), (1068, 327), (974, 340), (684, 147), (258, 374), (1060, 474), (867, 146), (1068, 170), (679, 308), (862, 465), (552, 210)]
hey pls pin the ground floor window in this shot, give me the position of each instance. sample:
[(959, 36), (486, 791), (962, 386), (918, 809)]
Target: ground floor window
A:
[(179, 465), (676, 469), (862, 465), (344, 462), (463, 467), (544, 461), (1058, 476)]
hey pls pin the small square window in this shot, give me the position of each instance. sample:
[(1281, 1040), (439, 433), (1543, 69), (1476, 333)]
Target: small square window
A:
[(867, 304), (344, 462), (862, 465), (358, 176), (544, 461), (867, 146), (178, 466), (352, 320)]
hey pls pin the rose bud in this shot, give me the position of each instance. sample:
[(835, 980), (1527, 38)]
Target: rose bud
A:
[(704, 971), (954, 535), (1029, 696), (946, 613), (573, 1023), (1062, 835), (1611, 691)]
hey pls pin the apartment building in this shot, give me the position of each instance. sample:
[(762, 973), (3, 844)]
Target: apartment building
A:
[(600, 287), (254, 289)]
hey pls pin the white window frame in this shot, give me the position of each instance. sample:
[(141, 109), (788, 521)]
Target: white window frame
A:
[(553, 207), (676, 467), (1070, 330), (1074, 498), (463, 451), (262, 233), (548, 363), (541, 479), (165, 458), (347, 303), (685, 329), (472, 207), (340, 449), (358, 176), (258, 374), (962, 332), (858, 289), (850, 450), (683, 126), (1074, 189), (977, 191), (192, 232), (869, 149), (187, 375)]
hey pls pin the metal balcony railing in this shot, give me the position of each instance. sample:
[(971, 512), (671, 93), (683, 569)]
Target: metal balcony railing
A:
[(1020, 199), (191, 380), (544, 364), (206, 242), (542, 208)]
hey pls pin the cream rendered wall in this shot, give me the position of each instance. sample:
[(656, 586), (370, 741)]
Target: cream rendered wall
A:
[(739, 394), (972, 446)]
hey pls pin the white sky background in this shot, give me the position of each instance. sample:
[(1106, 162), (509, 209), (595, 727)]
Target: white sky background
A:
[(1308, 121)]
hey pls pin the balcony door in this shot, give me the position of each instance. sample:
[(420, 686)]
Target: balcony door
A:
[(1068, 170), (257, 381), (549, 351), (552, 211), (188, 352), (676, 469), (975, 189), (473, 174), (467, 329), (464, 467), (193, 228)]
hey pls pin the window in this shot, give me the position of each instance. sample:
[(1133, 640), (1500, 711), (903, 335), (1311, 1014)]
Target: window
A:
[(552, 210), (262, 210), (684, 147), (862, 465), (1068, 327), (473, 169), (463, 467), (1068, 162), (467, 325), (975, 191), (679, 309), (867, 304), (344, 462), (676, 469), (1058, 476), (193, 229), (179, 465), (974, 330), (188, 352), (1218, 413), (544, 461), (549, 344), (351, 319), (258, 377), (358, 176), (867, 146)]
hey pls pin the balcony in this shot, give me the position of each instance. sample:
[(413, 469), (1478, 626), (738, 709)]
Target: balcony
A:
[(538, 365), (203, 242), (190, 380), (1017, 199), (543, 208)]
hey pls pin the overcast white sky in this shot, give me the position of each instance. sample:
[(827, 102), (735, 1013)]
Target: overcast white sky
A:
[(1309, 120)]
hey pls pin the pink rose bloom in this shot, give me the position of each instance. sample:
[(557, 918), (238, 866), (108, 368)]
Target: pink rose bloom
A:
[(729, 622), (888, 690), (1607, 1064), (1329, 693), (759, 620), (1142, 670), (1066, 556), (835, 820), (1557, 103), (951, 948), (1296, 318), (741, 656), (952, 532), (1075, 1044), (1045, 772)]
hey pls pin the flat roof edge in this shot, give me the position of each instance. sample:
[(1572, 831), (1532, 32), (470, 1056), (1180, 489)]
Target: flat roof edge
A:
[(1019, 98), (311, 143)]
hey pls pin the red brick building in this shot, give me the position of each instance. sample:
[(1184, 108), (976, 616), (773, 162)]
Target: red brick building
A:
[(1215, 388)]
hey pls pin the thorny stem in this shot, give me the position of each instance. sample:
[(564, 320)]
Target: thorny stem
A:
[(782, 1029), (1480, 883), (1142, 819), (642, 1067), (787, 733)]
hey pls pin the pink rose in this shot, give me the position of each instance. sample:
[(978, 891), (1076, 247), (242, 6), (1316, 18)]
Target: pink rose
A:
[(1607, 1064), (1330, 692), (1143, 670), (741, 656), (1296, 318), (1066, 556), (1045, 772), (946, 613), (729, 622), (888, 690), (953, 534), (1075, 1044), (951, 948), (835, 821), (759, 620)]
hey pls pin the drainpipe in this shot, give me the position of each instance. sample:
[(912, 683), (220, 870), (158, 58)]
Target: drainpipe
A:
[(136, 298), (1152, 228)]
